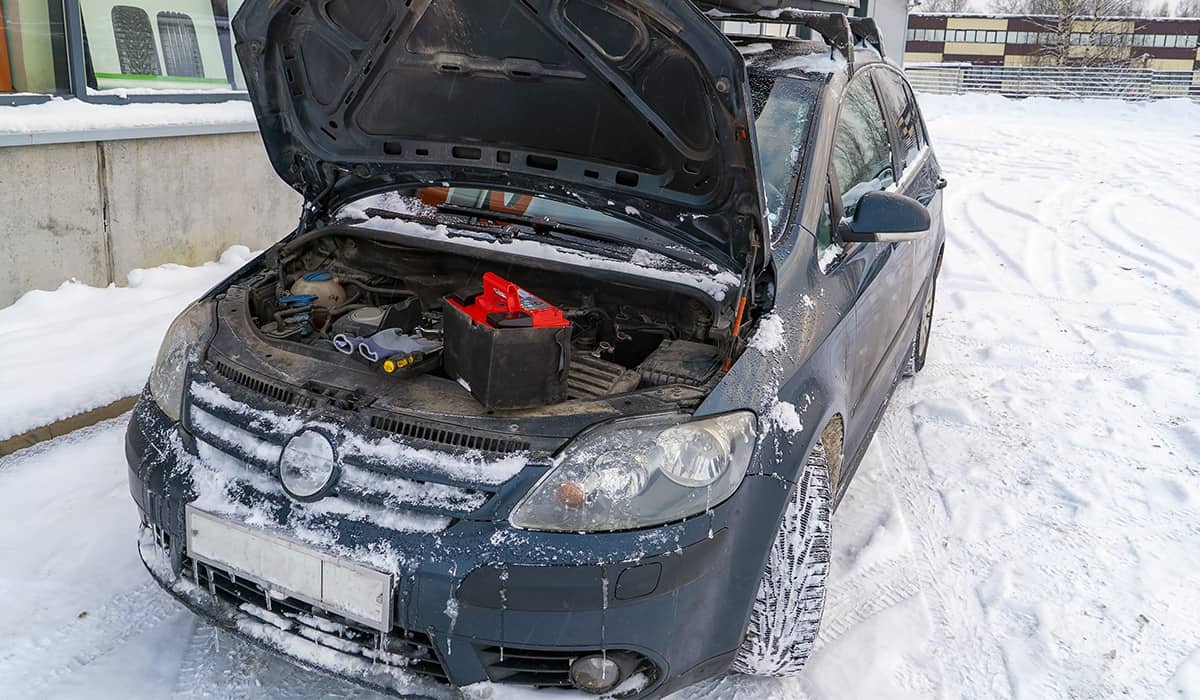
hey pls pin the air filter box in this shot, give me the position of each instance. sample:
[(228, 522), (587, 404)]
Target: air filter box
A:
[(507, 347)]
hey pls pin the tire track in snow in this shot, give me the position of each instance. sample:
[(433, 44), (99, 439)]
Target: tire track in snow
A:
[(42, 660), (926, 511)]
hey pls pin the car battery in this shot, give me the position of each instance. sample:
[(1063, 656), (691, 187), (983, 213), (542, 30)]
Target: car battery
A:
[(506, 346)]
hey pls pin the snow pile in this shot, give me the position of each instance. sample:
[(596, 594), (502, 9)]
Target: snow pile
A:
[(59, 115), (78, 348)]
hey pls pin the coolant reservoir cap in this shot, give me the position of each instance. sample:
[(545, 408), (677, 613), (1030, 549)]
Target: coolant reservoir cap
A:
[(318, 276)]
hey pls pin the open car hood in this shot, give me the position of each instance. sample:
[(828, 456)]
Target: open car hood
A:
[(639, 108)]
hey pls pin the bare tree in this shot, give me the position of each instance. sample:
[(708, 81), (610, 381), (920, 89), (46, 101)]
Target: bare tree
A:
[(1073, 32), (943, 5), (1187, 8), (1163, 10)]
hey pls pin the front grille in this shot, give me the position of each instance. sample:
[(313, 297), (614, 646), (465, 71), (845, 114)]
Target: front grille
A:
[(261, 386), (414, 430), (255, 439), (402, 649)]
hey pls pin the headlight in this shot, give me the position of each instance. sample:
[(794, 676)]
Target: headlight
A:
[(179, 347), (641, 472)]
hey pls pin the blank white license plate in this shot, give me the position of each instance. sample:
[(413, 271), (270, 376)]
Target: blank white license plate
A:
[(286, 567)]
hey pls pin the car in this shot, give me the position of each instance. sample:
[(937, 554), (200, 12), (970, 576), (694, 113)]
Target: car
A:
[(589, 317)]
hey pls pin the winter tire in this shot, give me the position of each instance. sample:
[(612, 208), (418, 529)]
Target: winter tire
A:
[(791, 595), (920, 345)]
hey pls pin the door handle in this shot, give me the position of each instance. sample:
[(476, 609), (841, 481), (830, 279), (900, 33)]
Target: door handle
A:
[(941, 183)]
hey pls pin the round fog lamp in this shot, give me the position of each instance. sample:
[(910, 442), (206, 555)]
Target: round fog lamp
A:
[(595, 673), (307, 467)]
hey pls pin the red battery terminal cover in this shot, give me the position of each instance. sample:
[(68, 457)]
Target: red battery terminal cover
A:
[(505, 305)]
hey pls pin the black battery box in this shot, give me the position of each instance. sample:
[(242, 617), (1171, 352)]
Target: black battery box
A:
[(509, 348)]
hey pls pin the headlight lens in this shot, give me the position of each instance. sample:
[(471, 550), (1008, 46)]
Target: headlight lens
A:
[(641, 472), (180, 346)]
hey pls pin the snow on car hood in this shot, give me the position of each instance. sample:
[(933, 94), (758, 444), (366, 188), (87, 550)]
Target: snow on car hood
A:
[(622, 105)]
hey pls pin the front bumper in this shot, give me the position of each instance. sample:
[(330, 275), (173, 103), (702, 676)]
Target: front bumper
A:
[(481, 601)]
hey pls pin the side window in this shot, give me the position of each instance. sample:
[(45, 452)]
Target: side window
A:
[(903, 107), (136, 51), (862, 150)]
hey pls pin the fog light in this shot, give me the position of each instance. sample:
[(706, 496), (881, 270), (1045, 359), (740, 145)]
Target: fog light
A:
[(595, 674)]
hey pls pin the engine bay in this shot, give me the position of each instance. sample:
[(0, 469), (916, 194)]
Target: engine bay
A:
[(515, 336)]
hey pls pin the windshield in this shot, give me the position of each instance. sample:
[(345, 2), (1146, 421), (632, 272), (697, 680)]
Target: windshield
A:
[(783, 109)]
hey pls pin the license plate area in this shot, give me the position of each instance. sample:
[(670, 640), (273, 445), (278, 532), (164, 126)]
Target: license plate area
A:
[(288, 568)]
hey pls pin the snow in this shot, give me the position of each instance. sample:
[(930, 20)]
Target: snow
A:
[(1024, 524), (80, 347), (58, 115), (826, 61), (785, 417), (828, 257), (769, 337)]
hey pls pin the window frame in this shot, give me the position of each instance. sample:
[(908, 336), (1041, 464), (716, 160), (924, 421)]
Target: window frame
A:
[(59, 50), (76, 54)]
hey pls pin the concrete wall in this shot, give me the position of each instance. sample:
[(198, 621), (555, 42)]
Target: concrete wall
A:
[(94, 211)]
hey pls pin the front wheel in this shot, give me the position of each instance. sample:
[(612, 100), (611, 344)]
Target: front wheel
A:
[(791, 595), (920, 345)]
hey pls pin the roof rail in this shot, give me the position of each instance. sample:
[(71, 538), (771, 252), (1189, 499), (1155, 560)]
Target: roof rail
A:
[(834, 27), (865, 30)]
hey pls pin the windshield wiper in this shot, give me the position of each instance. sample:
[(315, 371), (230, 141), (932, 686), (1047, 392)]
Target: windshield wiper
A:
[(537, 223), (545, 226)]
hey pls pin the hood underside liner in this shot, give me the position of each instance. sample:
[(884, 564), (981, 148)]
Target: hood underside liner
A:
[(635, 108)]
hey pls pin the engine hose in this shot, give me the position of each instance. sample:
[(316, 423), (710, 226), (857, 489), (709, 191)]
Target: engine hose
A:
[(287, 313), (378, 290)]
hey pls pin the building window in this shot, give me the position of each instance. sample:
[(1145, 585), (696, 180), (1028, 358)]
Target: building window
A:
[(136, 52), (33, 50), (181, 48)]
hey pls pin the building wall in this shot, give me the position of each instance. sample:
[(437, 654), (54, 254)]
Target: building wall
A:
[(1167, 44), (94, 211)]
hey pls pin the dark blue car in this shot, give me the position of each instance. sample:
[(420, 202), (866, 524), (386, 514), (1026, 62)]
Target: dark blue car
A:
[(590, 315)]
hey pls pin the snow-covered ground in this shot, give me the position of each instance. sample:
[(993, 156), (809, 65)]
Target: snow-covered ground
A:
[(1027, 523), (78, 347)]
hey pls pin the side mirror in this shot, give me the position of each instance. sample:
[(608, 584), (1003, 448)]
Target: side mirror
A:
[(885, 217)]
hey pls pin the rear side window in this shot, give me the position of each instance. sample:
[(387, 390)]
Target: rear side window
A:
[(903, 107), (862, 150)]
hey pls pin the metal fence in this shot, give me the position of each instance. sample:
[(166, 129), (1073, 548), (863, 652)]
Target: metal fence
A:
[(1065, 82)]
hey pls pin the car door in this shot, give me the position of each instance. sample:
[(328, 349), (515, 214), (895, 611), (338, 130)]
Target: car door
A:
[(862, 161)]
